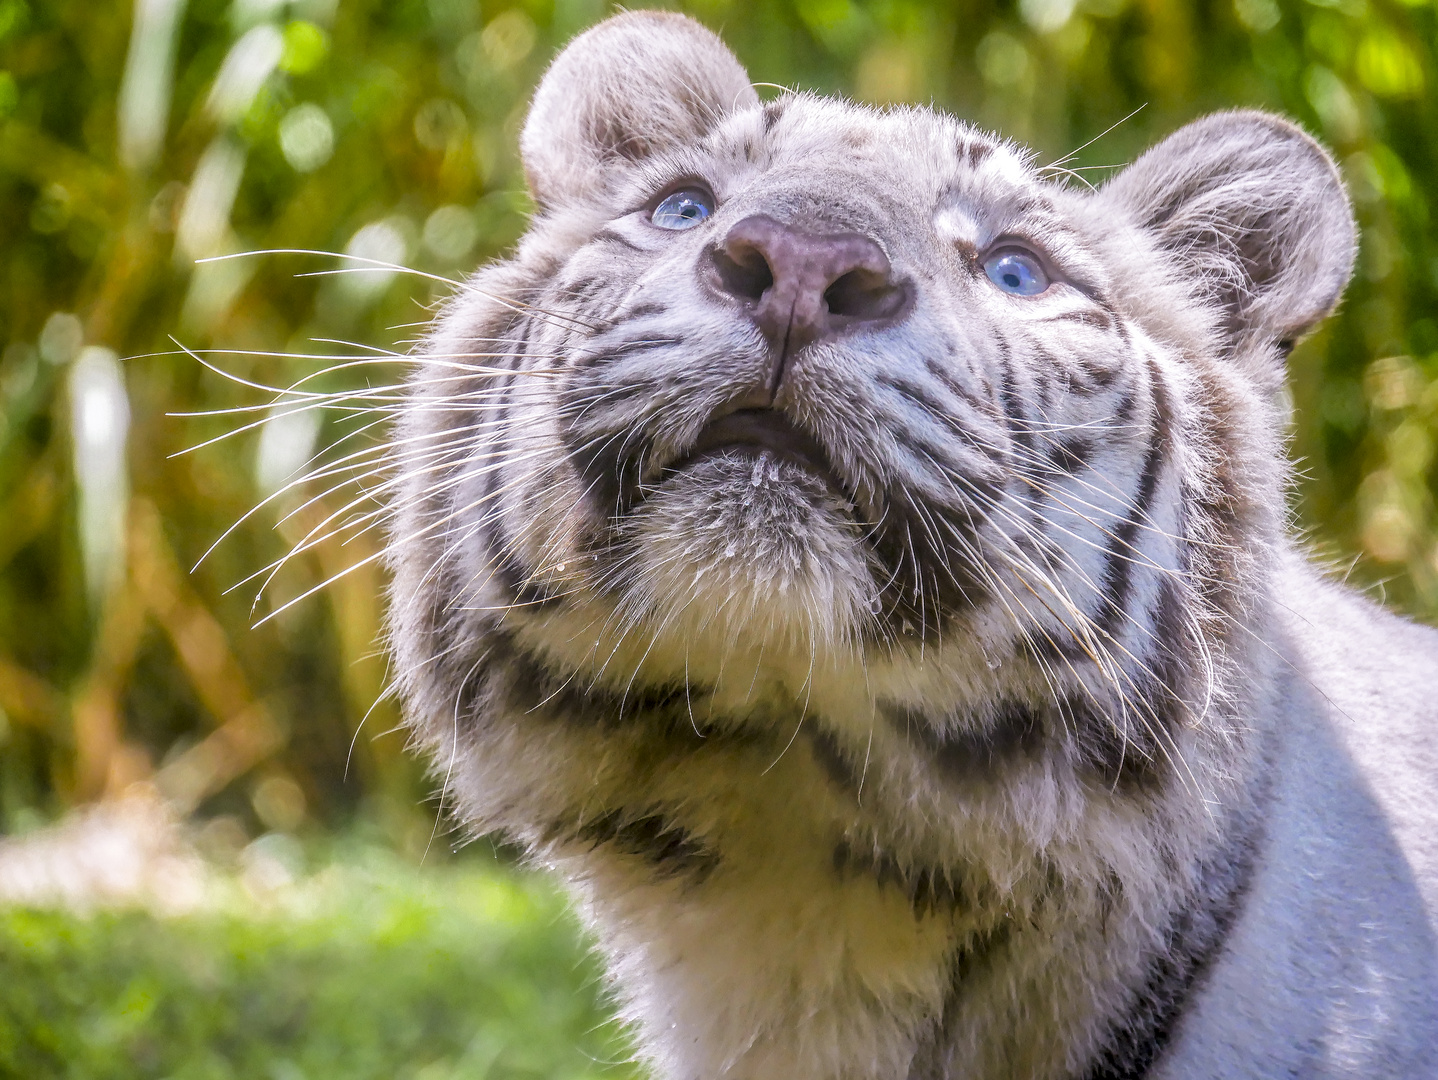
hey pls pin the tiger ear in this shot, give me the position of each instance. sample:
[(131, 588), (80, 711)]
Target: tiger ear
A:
[(1251, 213), (636, 84)]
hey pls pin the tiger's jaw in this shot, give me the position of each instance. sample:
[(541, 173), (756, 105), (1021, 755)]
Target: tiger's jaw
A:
[(748, 545), (749, 533)]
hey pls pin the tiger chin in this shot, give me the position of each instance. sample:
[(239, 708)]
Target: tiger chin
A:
[(854, 563)]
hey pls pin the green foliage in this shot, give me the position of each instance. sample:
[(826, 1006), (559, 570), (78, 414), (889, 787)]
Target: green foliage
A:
[(371, 969), (386, 128)]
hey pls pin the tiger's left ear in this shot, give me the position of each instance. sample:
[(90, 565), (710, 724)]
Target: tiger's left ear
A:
[(1253, 218)]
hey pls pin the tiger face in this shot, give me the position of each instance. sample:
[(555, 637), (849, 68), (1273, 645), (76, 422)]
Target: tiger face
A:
[(823, 394)]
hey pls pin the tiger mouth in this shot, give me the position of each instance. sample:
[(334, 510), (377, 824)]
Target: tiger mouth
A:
[(762, 431)]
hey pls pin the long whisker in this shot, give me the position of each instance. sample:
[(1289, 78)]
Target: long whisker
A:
[(384, 266)]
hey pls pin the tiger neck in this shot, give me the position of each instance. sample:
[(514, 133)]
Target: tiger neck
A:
[(872, 875)]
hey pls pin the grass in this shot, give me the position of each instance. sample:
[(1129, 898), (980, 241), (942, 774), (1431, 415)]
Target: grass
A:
[(368, 968)]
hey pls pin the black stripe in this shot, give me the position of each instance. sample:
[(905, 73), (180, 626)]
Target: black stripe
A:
[(1162, 684), (1018, 424), (1008, 390), (609, 460), (581, 290), (1138, 1039), (1126, 756), (931, 1056), (1013, 731), (772, 111), (505, 567), (830, 757), (1123, 411), (1070, 453), (612, 467), (1044, 377), (1100, 319), (1134, 750), (522, 684), (927, 548), (918, 394), (1117, 580), (609, 236), (930, 890), (920, 451), (1096, 377), (928, 575), (640, 345), (1120, 751), (945, 378), (661, 843), (644, 310)]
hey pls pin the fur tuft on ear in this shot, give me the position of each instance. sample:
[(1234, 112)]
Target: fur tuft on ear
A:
[(637, 83), (1251, 212)]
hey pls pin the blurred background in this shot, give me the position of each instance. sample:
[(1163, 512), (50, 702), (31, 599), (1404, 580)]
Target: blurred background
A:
[(138, 140)]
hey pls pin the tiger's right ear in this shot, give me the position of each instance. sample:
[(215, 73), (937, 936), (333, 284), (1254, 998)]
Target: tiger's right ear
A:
[(635, 84)]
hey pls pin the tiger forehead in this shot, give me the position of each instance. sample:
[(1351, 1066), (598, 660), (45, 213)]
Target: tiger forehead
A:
[(905, 160), (805, 125), (915, 159)]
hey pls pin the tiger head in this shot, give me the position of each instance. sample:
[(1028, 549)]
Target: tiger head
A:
[(778, 389)]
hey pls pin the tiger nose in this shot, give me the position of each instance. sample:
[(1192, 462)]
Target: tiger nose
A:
[(802, 287)]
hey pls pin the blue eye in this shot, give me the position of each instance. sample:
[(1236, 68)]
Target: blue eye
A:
[(1016, 272), (683, 210)]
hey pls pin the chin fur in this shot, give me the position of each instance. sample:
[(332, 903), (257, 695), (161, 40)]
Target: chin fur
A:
[(747, 551)]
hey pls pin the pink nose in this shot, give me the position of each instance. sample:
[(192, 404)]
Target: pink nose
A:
[(802, 287)]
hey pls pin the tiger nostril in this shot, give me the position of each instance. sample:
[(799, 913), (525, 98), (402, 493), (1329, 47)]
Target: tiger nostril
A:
[(743, 273), (863, 294)]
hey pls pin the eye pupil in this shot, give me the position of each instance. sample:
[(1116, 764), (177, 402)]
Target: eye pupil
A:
[(683, 209), (1012, 281)]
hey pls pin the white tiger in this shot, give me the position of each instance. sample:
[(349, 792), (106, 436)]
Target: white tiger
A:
[(856, 565)]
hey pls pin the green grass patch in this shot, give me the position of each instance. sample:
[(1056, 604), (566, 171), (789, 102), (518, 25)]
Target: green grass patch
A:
[(369, 968)]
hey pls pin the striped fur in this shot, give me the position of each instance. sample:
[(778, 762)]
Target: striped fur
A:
[(958, 756)]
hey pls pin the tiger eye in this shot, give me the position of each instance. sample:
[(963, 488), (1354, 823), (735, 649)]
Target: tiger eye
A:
[(683, 210), (1016, 271)]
